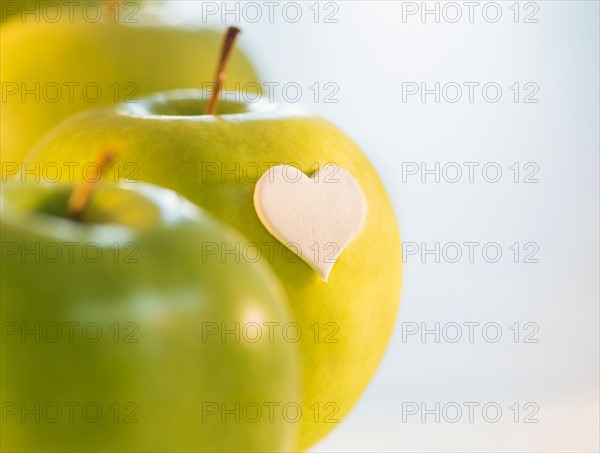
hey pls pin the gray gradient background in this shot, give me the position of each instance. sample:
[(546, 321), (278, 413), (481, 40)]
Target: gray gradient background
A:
[(369, 53)]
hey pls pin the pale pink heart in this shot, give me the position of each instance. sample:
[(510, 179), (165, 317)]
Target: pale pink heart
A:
[(315, 217)]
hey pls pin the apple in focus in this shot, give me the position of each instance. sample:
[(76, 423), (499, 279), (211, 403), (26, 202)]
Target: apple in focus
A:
[(215, 161)]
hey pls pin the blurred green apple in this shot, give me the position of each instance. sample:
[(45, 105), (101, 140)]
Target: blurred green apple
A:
[(19, 10), (216, 160), (50, 71), (109, 322)]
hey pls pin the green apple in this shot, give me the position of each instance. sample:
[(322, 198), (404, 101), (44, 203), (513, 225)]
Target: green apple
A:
[(19, 10), (50, 71), (215, 161), (110, 328)]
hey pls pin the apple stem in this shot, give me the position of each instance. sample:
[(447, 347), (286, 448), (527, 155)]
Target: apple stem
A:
[(224, 57), (108, 10), (81, 193)]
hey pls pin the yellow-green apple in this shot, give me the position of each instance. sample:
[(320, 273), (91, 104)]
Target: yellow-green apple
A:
[(120, 332), (22, 10), (50, 71), (216, 160)]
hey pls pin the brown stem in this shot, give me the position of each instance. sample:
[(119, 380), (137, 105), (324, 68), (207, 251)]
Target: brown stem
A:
[(81, 193), (224, 57), (108, 14)]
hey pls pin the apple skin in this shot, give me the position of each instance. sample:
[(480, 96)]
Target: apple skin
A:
[(168, 294), (133, 60), (10, 10), (356, 308)]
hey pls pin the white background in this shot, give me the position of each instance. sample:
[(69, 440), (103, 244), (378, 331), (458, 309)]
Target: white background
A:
[(369, 53)]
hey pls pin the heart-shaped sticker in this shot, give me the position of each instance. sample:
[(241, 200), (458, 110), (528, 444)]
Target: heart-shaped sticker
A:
[(315, 217)]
